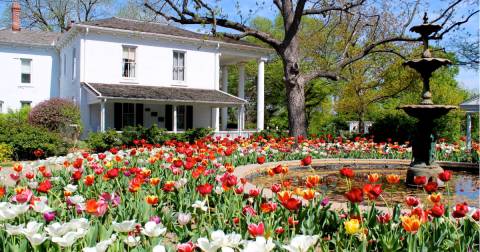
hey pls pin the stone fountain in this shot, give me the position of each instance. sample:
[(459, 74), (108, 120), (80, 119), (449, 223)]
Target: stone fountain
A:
[(423, 143)]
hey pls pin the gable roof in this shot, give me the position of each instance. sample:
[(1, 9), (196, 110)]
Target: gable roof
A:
[(160, 29), (163, 94), (472, 104), (29, 38)]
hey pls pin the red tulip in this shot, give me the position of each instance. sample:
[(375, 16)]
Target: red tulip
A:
[(420, 180), (279, 230), (384, 218), (476, 215), (355, 195), (445, 176), (437, 210), (248, 210), (460, 210), (186, 247), (276, 188), (256, 229), (306, 161), (261, 159), (372, 191), (102, 156), (347, 172), (44, 186), (431, 187), (204, 189), (412, 201), (292, 204), (254, 192)]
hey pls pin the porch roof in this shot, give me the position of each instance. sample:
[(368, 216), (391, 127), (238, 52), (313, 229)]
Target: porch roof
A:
[(163, 94)]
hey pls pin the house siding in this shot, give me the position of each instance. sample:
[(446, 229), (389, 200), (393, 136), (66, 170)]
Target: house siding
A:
[(44, 71)]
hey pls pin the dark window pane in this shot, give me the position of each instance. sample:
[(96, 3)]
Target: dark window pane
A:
[(25, 78)]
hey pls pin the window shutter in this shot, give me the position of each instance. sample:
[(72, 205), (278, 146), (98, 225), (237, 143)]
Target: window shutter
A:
[(117, 116), (139, 114), (189, 117), (168, 117)]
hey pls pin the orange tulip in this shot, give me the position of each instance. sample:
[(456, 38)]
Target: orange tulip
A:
[(154, 181), (312, 181), (17, 167), (91, 206), (308, 194), (411, 223), (374, 177), (89, 180), (284, 195), (435, 197), (151, 199), (393, 178)]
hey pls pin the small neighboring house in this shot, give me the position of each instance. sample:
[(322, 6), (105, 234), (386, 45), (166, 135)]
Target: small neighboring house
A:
[(125, 72), (353, 126)]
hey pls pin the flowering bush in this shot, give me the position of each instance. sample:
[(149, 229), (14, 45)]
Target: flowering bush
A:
[(6, 152), (185, 197), (55, 114)]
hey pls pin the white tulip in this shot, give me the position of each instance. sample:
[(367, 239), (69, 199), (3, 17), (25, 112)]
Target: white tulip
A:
[(159, 248), (76, 199), (123, 227), (259, 245), (152, 229), (66, 240), (32, 228), (56, 229), (301, 243), (78, 223), (220, 241), (132, 241), (36, 239), (101, 246), (14, 230), (201, 205), (71, 188), (184, 218), (41, 207)]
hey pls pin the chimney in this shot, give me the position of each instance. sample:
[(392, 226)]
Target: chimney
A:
[(70, 25), (15, 16)]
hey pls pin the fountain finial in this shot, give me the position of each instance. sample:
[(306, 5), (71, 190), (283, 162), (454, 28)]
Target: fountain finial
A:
[(425, 18)]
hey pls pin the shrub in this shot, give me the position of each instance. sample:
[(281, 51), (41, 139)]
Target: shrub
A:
[(102, 141), (192, 135), (6, 152), (55, 114), (25, 139)]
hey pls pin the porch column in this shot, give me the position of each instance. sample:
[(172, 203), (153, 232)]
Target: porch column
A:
[(469, 131), (102, 115), (224, 89), (174, 118), (260, 94), (215, 119), (241, 94)]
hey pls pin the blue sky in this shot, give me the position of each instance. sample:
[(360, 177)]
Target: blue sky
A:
[(468, 78)]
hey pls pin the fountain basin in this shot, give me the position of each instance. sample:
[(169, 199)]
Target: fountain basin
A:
[(464, 185)]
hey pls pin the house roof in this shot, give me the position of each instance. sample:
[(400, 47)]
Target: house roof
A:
[(472, 104), (29, 38), (162, 94), (160, 28)]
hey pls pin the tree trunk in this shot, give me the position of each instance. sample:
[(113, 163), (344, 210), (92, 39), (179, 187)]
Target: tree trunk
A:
[(295, 88)]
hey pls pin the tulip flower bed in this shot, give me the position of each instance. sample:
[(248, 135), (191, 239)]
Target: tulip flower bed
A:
[(185, 197)]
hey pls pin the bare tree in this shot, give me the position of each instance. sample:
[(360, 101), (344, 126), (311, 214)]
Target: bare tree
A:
[(55, 15), (368, 29)]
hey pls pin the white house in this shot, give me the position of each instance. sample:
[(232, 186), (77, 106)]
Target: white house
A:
[(124, 72)]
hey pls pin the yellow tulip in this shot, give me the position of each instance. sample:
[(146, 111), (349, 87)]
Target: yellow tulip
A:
[(352, 226)]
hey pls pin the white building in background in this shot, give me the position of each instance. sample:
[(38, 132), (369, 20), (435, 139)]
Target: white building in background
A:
[(124, 72), (354, 126)]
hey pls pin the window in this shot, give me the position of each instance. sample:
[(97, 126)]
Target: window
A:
[(26, 71), (74, 63), (128, 62), (184, 117), (24, 104), (181, 117), (179, 65), (127, 114), (1, 106)]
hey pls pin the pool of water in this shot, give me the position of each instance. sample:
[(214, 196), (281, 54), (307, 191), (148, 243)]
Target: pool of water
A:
[(464, 186)]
